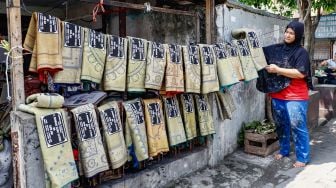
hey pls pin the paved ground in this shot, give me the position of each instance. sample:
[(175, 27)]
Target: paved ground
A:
[(243, 170)]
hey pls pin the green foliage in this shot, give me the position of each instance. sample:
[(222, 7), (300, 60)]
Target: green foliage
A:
[(259, 127), (286, 7)]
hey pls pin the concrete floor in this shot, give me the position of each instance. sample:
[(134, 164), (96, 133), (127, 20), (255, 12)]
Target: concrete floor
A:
[(243, 170)]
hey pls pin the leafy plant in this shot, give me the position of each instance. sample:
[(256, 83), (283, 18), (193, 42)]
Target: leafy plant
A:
[(259, 127)]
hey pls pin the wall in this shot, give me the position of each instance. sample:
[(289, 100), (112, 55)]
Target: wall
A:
[(249, 102)]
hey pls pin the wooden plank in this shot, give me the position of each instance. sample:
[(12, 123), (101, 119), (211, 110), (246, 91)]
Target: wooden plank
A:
[(210, 17), (142, 7), (15, 40), (18, 96)]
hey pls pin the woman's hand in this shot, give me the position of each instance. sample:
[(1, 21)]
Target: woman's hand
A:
[(272, 68)]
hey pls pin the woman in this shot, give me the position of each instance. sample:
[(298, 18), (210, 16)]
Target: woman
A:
[(291, 60)]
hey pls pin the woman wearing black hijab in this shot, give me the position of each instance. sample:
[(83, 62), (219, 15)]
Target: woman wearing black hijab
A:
[(291, 61)]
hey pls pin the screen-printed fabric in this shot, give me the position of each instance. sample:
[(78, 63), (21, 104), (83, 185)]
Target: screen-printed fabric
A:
[(55, 142), (156, 65), (136, 70), (176, 132), (72, 54), (91, 148), (234, 59), (209, 74), (174, 78), (226, 72), (136, 129), (189, 115), (46, 100), (115, 74), (254, 45), (156, 127), (94, 53), (205, 120), (113, 133), (192, 68), (247, 64), (43, 40)]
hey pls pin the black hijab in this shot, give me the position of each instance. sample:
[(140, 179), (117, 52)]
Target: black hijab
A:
[(285, 55)]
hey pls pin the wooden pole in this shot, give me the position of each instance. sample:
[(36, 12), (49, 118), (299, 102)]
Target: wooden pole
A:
[(18, 96), (210, 17), (142, 7)]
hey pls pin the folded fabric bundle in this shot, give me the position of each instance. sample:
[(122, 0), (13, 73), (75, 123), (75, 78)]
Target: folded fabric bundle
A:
[(176, 133), (137, 137), (136, 70), (43, 39), (246, 60), (234, 59), (225, 105), (91, 148), (94, 53), (192, 68), (205, 120), (156, 65), (174, 78), (116, 64), (226, 72), (72, 54), (53, 132), (45, 100), (210, 81), (156, 127), (253, 44), (113, 133), (84, 98), (189, 119)]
